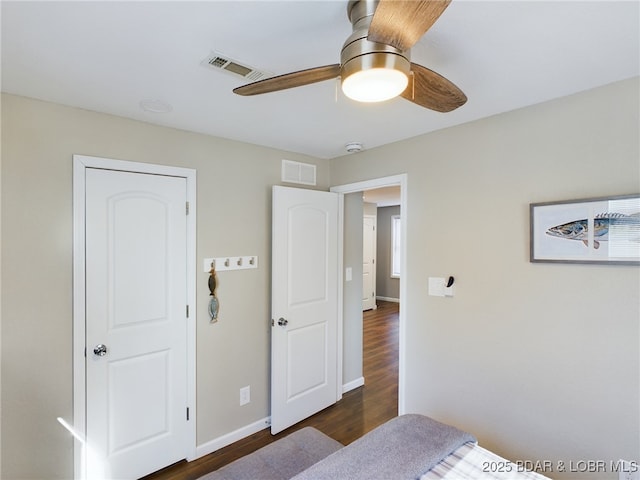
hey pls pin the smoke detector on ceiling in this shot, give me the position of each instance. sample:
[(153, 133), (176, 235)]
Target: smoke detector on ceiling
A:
[(218, 61), (353, 147)]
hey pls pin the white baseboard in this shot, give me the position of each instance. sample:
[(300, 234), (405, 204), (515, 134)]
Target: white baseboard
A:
[(358, 382), (217, 443), (389, 299), (220, 442)]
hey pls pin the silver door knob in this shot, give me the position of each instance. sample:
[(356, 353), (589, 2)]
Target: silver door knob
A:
[(282, 322), (100, 350)]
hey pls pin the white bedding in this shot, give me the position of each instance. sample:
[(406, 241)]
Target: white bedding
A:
[(471, 462)]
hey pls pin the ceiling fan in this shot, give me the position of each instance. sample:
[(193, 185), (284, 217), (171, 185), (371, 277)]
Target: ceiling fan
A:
[(375, 60)]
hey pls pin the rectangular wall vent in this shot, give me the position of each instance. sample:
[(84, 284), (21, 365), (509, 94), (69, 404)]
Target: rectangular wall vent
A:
[(218, 61), (296, 172)]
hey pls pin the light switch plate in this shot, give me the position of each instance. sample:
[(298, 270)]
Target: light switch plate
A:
[(436, 287)]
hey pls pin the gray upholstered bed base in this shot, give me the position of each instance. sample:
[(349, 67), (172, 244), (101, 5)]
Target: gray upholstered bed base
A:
[(280, 460), (403, 448)]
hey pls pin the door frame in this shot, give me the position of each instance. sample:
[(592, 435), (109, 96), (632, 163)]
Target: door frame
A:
[(80, 164), (394, 180)]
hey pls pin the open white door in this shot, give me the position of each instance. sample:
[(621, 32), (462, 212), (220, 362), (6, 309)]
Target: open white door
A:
[(304, 333)]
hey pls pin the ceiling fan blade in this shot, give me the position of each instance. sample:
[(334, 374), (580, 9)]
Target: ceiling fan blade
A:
[(402, 23), (290, 80), (431, 90)]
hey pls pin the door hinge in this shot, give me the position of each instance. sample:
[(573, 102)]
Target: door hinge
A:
[(187, 414), (187, 311), (187, 208), (373, 261)]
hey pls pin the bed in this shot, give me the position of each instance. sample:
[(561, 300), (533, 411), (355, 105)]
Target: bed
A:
[(406, 447), (471, 461)]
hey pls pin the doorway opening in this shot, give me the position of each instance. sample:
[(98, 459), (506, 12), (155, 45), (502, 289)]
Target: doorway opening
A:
[(381, 246), (398, 181)]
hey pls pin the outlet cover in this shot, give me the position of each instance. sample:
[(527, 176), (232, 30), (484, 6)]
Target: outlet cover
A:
[(629, 470), (245, 395)]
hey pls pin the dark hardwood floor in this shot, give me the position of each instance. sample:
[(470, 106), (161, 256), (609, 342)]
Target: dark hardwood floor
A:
[(358, 412)]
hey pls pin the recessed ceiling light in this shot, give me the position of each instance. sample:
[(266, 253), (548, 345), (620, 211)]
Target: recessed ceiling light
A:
[(353, 147), (155, 106)]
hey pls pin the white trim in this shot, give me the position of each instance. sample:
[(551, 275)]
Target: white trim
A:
[(79, 384), (340, 337), (352, 385), (392, 254), (390, 181), (80, 164), (401, 180), (229, 438), (388, 299)]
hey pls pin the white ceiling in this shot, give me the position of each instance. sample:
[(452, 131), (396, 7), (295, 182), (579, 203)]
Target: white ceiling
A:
[(108, 56)]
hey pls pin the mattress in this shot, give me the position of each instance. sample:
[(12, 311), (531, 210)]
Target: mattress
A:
[(472, 462)]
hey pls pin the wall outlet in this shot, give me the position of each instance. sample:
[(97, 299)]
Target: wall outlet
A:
[(245, 395), (628, 470)]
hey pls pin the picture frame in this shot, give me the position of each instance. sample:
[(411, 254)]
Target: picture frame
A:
[(602, 230)]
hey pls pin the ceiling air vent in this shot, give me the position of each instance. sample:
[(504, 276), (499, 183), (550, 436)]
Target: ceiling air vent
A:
[(217, 61), (296, 172)]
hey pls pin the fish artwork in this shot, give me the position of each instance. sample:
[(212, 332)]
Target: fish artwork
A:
[(602, 225), (214, 305)]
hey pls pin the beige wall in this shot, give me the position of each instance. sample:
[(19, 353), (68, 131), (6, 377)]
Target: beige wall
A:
[(547, 366), (234, 218), (386, 286), (540, 361), (352, 373)]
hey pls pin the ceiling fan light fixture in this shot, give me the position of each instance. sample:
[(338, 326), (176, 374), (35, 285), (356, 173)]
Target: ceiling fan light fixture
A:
[(375, 59), (375, 85), (375, 77)]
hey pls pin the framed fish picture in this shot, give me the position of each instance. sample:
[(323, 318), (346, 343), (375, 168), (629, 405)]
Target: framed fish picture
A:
[(592, 230)]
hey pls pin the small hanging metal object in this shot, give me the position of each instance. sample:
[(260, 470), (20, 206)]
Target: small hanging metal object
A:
[(214, 305)]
